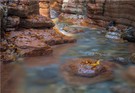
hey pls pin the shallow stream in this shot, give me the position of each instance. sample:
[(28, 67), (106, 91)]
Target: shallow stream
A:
[(42, 74)]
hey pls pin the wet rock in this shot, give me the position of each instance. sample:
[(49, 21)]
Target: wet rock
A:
[(73, 29), (132, 58), (122, 60), (86, 71), (53, 14), (36, 21), (35, 49), (129, 34)]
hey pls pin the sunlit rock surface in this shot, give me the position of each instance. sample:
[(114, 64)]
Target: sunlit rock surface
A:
[(83, 71), (44, 8)]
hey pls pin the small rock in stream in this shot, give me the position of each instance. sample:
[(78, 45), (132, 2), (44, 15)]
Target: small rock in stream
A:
[(83, 71)]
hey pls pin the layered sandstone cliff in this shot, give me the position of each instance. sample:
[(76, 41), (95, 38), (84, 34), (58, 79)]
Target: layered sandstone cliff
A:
[(26, 31), (121, 11)]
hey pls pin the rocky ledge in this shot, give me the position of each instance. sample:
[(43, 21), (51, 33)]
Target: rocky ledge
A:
[(35, 42)]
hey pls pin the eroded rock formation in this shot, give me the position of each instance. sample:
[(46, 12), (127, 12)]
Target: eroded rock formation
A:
[(83, 71), (121, 11), (28, 29)]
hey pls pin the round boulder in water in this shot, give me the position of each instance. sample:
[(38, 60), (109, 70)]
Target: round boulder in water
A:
[(86, 71)]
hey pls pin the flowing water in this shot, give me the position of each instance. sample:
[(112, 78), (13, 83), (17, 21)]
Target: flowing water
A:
[(42, 74)]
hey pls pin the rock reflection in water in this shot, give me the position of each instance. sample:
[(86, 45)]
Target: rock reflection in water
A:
[(42, 75)]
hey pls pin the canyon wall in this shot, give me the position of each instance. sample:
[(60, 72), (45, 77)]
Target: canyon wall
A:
[(27, 32), (100, 12), (47, 5), (76, 8)]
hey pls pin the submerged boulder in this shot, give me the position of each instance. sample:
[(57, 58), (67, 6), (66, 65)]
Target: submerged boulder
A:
[(86, 71)]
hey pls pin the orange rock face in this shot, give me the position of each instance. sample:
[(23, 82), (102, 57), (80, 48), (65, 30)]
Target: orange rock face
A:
[(44, 8)]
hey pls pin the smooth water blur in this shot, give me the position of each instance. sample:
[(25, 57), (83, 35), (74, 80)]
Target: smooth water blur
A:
[(93, 44), (42, 74)]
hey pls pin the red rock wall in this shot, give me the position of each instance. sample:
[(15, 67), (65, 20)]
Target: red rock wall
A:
[(56, 5), (44, 8), (122, 11), (74, 6)]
